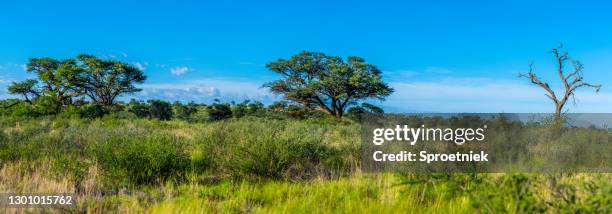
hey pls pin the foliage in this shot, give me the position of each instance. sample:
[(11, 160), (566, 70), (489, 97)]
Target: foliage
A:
[(59, 82), (219, 111), (160, 110), (184, 112), (104, 80), (327, 83), (248, 108), (58, 79), (27, 89), (274, 150), (265, 165), (153, 159), (47, 105), (138, 108), (92, 111), (358, 113)]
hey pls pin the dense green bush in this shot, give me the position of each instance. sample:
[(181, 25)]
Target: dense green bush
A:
[(219, 111), (153, 159), (46, 105), (23, 110), (256, 148), (184, 112), (138, 108), (160, 110), (495, 194), (93, 111), (248, 108), (86, 111)]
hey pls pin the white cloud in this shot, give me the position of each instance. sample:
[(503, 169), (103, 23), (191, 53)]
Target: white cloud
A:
[(124, 54), (483, 95), (4, 82), (139, 66), (206, 91), (179, 70)]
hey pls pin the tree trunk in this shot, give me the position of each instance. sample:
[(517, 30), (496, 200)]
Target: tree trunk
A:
[(558, 110)]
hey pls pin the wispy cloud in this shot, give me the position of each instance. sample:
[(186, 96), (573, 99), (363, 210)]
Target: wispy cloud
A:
[(485, 95), (12, 67), (206, 91), (4, 82), (408, 73), (179, 70), (249, 63), (437, 70), (402, 73), (140, 66)]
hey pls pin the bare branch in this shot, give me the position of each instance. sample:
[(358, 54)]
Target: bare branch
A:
[(551, 98), (572, 81), (584, 84), (535, 80), (577, 73)]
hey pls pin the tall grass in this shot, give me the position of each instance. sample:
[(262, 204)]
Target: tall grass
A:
[(255, 165)]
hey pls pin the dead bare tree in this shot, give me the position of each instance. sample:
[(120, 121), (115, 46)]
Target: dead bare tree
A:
[(571, 81)]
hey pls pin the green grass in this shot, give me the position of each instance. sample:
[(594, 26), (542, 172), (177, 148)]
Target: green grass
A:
[(255, 165)]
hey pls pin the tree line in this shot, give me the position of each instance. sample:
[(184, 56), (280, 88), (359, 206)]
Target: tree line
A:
[(59, 82), (310, 82)]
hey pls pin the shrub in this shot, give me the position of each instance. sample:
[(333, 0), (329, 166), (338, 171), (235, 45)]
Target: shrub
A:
[(184, 112), (93, 111), (159, 109), (219, 111), (356, 113), (22, 109), (46, 105), (496, 194), (256, 148), (68, 165), (154, 159), (140, 109)]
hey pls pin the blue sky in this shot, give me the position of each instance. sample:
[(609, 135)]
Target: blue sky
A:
[(440, 56)]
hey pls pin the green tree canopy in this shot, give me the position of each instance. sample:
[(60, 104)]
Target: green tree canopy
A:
[(58, 79), (104, 80), (27, 88), (327, 83)]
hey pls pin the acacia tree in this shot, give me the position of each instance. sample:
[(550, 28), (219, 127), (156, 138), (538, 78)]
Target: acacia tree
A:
[(58, 79), (104, 80), (571, 81), (27, 89), (327, 83)]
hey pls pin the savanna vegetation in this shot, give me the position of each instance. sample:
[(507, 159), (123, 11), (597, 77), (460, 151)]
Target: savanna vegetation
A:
[(256, 165), (69, 134)]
